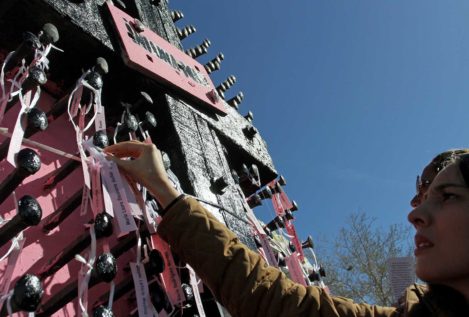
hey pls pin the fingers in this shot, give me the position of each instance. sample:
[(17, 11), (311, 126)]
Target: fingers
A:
[(126, 149), (123, 164)]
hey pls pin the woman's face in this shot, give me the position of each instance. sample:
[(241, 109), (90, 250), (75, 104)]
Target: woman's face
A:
[(442, 230)]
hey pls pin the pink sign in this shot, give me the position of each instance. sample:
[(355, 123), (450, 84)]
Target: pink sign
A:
[(150, 54)]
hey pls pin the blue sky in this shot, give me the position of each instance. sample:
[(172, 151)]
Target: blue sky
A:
[(352, 97)]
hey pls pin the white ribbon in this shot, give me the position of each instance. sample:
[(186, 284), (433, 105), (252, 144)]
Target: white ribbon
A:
[(284, 233), (119, 123), (111, 295), (15, 242), (40, 60), (81, 82), (4, 97), (19, 129), (2, 71), (40, 56), (88, 266), (18, 80), (316, 268), (73, 107), (15, 245), (8, 298)]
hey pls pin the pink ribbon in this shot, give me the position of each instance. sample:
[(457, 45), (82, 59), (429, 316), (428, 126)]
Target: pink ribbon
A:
[(294, 268), (170, 276), (195, 289)]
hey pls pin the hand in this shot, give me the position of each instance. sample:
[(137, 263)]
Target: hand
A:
[(146, 168)]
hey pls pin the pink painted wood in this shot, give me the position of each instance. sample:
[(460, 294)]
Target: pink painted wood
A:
[(40, 247)]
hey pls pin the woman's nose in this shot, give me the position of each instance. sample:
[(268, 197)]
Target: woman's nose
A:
[(419, 216)]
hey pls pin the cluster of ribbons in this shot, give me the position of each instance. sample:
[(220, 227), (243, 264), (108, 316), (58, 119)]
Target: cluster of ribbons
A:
[(13, 83), (106, 189), (281, 246), (21, 75)]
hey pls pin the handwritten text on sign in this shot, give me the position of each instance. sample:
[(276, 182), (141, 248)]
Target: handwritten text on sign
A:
[(118, 200), (141, 290)]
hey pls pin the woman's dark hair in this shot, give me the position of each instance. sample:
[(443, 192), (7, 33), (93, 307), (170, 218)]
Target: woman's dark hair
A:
[(461, 157), (464, 167), (443, 159)]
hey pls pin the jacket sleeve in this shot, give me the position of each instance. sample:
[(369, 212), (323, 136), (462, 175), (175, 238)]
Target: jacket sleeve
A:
[(239, 278)]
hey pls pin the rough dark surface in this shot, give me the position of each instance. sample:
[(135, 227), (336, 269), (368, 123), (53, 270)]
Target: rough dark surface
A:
[(202, 152), (28, 292), (37, 119), (106, 267), (85, 15), (100, 139), (158, 19), (29, 210), (103, 225), (28, 160)]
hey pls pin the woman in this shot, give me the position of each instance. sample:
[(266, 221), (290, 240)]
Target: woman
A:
[(443, 298), (246, 286)]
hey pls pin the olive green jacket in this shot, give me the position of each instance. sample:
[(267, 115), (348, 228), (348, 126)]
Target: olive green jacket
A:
[(242, 281)]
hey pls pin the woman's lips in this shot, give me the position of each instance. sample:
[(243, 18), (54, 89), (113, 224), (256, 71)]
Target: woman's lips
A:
[(422, 243)]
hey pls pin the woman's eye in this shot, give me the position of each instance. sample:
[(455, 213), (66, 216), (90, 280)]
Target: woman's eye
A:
[(447, 196)]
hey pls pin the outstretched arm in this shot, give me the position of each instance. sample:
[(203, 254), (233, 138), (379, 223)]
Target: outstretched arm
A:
[(239, 278)]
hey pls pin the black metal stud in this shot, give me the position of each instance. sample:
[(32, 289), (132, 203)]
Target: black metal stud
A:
[(219, 185), (308, 243), (36, 77), (49, 34), (29, 214), (214, 64), (225, 85), (153, 267), (236, 100), (27, 295), (254, 201), (185, 32), (199, 50), (103, 228), (249, 116), (36, 121), (104, 270), (25, 50), (275, 224), (149, 121), (265, 193), (176, 15), (28, 163), (100, 139), (94, 79)]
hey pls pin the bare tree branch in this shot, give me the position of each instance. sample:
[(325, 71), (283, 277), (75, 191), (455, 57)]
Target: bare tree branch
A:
[(356, 264)]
